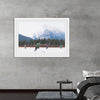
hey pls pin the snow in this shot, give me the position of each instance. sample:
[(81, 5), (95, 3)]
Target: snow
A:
[(49, 29), (41, 52)]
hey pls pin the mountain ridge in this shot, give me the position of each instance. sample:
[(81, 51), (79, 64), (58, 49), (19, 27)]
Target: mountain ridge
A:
[(24, 38), (46, 33), (52, 34)]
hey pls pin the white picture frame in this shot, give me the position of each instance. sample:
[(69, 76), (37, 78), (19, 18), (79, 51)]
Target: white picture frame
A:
[(39, 29)]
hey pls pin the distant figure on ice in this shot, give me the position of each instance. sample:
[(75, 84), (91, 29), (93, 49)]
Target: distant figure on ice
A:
[(47, 47), (60, 46), (37, 46), (25, 46)]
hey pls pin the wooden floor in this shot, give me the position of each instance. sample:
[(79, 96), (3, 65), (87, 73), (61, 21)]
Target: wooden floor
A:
[(19, 94)]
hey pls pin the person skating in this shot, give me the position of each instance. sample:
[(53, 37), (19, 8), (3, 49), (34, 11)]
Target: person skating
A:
[(60, 46), (25, 46), (47, 47), (37, 46)]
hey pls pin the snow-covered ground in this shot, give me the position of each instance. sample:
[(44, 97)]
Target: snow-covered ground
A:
[(42, 52)]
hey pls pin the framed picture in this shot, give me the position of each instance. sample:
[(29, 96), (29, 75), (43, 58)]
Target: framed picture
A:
[(41, 37)]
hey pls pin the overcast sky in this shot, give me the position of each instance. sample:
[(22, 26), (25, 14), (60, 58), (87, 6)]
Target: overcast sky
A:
[(28, 27)]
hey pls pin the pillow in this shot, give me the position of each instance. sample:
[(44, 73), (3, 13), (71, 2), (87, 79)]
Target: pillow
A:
[(97, 73), (87, 74), (90, 74)]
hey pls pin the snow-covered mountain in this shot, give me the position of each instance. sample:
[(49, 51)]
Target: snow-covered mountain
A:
[(49, 32)]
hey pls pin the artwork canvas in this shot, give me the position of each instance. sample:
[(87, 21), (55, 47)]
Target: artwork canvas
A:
[(41, 37)]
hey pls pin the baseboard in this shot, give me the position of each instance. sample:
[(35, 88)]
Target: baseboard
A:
[(31, 90)]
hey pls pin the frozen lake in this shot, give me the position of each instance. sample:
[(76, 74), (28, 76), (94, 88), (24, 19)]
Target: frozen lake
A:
[(42, 52)]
